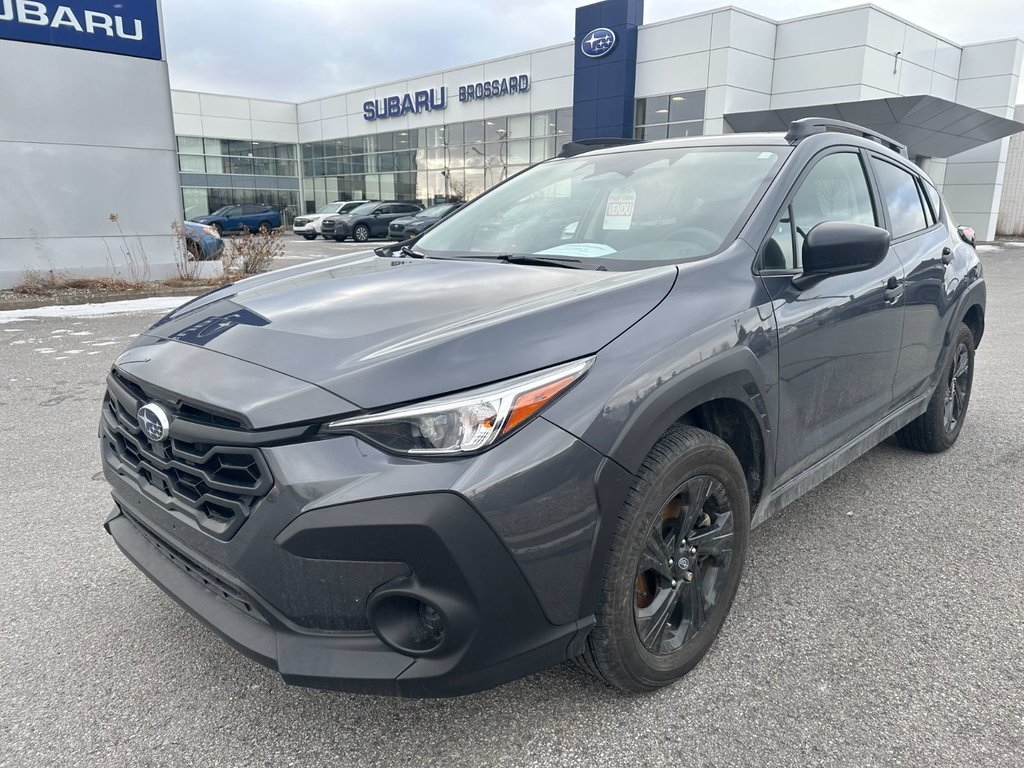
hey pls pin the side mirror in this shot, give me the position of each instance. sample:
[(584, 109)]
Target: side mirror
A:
[(377, 212), (839, 248)]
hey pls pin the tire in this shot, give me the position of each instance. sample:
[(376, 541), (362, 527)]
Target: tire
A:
[(699, 580), (195, 251), (937, 429), (361, 233), (264, 228), (309, 235)]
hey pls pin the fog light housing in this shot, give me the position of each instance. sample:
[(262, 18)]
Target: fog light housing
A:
[(408, 624)]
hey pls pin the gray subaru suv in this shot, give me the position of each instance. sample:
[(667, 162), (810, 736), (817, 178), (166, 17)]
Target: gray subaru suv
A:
[(515, 441)]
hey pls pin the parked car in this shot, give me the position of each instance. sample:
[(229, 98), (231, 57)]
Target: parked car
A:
[(405, 227), (202, 241), (456, 464), (239, 218), (308, 225), (366, 221)]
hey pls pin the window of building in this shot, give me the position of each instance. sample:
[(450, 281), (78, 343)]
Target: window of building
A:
[(902, 198), (669, 117)]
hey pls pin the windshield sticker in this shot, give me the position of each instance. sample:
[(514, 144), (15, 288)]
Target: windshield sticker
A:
[(582, 250), (618, 213)]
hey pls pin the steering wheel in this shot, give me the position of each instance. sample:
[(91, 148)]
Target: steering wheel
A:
[(703, 237)]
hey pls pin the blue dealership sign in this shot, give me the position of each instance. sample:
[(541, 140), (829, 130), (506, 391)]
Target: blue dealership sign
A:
[(108, 26), (437, 98), (604, 68)]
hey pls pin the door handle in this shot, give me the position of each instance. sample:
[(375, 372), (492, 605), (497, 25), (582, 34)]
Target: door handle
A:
[(894, 290), (947, 255)]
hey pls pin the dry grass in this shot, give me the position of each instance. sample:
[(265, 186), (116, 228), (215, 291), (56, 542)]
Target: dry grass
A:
[(37, 283), (52, 283)]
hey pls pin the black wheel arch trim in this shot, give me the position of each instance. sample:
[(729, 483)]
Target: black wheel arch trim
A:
[(734, 375)]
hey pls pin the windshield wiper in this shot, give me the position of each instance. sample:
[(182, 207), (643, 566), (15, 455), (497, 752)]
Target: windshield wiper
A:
[(540, 261)]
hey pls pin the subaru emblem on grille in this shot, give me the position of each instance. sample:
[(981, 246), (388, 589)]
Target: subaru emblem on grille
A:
[(154, 422)]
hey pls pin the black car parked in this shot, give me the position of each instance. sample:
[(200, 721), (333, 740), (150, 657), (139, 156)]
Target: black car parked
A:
[(366, 221), (409, 226), (464, 460)]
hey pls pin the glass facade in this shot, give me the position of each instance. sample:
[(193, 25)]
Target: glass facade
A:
[(669, 117), (428, 165), (431, 165), (218, 172)]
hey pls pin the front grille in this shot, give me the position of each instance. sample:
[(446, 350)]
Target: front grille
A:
[(218, 587), (327, 225), (217, 486)]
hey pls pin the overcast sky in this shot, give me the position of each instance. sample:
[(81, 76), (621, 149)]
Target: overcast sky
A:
[(301, 49)]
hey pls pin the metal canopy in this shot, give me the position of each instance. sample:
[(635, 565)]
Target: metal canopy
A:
[(929, 126)]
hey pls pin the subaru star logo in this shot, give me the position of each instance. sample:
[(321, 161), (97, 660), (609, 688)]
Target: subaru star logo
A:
[(598, 43), (154, 422)]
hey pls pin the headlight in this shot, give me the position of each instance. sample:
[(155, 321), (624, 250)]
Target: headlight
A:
[(212, 232), (467, 422)]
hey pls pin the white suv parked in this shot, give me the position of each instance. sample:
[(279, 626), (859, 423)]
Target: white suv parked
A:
[(308, 225)]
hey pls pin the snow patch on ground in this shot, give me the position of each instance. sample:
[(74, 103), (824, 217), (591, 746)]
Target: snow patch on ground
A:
[(155, 304)]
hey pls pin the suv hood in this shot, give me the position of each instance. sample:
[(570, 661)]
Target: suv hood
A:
[(379, 331)]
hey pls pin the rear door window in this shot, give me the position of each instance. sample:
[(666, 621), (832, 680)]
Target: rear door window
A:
[(902, 198)]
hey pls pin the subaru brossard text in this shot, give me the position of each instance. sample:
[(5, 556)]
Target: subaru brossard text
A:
[(518, 440)]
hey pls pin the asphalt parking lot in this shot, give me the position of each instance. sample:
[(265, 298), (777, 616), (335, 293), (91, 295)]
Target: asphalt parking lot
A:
[(298, 250), (880, 620)]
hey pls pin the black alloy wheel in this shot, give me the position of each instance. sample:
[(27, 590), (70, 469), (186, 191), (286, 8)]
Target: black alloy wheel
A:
[(674, 563), (684, 564), (939, 426), (956, 388)]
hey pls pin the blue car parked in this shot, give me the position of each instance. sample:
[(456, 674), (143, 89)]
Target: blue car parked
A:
[(238, 218), (203, 241)]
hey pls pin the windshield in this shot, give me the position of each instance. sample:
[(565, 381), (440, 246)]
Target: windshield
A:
[(349, 207), (223, 211), (331, 208), (621, 210), (361, 210), (435, 211)]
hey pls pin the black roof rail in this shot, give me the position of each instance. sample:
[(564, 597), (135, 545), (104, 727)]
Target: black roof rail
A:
[(573, 148), (809, 126)]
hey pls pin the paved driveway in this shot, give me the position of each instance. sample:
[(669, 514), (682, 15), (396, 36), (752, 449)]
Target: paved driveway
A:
[(880, 620)]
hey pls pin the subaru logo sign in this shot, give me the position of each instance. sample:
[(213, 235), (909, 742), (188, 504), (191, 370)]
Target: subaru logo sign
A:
[(154, 422), (598, 43)]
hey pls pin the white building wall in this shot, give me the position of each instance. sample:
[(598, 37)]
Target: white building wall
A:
[(233, 117), (98, 140), (1011, 204), (989, 74), (341, 115)]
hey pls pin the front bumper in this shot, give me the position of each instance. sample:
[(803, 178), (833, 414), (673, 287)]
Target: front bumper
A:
[(305, 229), (500, 544), (496, 631)]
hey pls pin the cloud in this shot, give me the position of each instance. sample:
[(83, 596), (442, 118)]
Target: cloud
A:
[(305, 49)]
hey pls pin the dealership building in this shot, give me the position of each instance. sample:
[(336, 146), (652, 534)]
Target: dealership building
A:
[(108, 135)]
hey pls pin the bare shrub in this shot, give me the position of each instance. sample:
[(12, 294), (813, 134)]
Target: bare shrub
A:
[(187, 254), (252, 252), (136, 265)]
